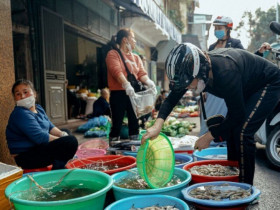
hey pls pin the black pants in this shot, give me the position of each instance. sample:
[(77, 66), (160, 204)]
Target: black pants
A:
[(241, 145), (79, 105), (120, 103), (56, 153)]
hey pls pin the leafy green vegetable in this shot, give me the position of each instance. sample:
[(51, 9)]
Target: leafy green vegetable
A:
[(175, 129)]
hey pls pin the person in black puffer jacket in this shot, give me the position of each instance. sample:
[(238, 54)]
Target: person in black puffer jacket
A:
[(249, 84)]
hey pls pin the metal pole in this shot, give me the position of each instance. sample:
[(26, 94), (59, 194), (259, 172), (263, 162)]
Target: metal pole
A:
[(277, 17)]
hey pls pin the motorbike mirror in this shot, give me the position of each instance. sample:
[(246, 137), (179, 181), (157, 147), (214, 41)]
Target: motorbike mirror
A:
[(275, 27)]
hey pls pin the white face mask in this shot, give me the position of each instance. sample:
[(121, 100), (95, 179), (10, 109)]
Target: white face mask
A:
[(26, 102), (128, 45), (200, 87)]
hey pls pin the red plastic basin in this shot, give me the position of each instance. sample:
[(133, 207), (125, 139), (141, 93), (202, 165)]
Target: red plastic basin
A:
[(124, 162), (48, 168), (94, 143), (85, 153), (201, 178), (188, 152)]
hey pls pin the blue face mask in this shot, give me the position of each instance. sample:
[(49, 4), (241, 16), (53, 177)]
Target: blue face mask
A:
[(219, 34)]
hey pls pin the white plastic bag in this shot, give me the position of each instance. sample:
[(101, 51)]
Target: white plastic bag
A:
[(143, 102)]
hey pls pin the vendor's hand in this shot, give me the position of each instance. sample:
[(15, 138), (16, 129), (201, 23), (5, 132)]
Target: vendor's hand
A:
[(151, 134), (128, 89), (265, 46), (63, 133), (204, 141), (151, 85), (153, 131)]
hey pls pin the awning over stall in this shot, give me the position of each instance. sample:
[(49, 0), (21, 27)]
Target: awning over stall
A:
[(146, 30), (152, 24)]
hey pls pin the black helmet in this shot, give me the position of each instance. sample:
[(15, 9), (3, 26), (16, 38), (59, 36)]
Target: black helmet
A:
[(184, 63)]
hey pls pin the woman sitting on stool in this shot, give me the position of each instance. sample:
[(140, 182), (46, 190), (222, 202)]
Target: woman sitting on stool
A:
[(32, 139)]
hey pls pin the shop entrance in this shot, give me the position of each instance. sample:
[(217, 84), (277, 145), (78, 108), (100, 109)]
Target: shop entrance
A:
[(52, 27), (82, 69)]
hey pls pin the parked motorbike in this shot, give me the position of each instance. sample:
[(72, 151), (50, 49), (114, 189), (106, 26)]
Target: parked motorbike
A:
[(269, 135), (269, 132)]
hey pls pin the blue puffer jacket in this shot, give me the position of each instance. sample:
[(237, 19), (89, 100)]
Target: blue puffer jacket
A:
[(231, 43)]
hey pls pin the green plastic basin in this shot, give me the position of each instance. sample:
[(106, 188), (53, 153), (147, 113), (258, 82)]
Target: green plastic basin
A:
[(94, 179)]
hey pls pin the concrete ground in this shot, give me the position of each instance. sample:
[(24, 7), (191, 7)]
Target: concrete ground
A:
[(72, 125)]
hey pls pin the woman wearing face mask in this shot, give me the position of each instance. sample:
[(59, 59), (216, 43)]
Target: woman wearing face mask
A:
[(120, 88), (215, 105), (33, 140), (223, 26), (249, 84)]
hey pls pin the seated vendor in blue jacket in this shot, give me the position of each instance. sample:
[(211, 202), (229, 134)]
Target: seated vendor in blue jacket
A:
[(101, 106), (32, 139)]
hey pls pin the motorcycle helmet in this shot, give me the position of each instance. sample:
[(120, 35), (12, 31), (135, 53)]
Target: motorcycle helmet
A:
[(223, 21), (184, 63)]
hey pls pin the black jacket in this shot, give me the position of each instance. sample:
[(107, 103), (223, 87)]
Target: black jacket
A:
[(237, 74), (100, 107), (231, 43)]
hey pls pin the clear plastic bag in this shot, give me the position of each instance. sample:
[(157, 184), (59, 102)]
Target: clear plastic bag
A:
[(143, 102)]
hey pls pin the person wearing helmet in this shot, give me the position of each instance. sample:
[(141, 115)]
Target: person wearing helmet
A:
[(249, 84), (223, 26), (215, 105)]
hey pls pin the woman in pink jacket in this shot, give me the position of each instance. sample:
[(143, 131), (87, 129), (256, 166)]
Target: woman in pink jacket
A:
[(124, 42)]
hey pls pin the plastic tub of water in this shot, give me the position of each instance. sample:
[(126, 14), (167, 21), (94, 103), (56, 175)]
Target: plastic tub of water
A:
[(202, 178), (94, 143), (226, 203), (145, 201), (174, 190), (181, 160), (90, 152), (97, 181), (213, 153), (112, 163)]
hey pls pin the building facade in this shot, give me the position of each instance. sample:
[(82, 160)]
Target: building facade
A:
[(54, 42)]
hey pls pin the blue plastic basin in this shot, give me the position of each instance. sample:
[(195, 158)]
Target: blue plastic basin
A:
[(144, 201), (133, 154), (181, 157), (174, 190), (223, 203), (185, 159), (211, 153)]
